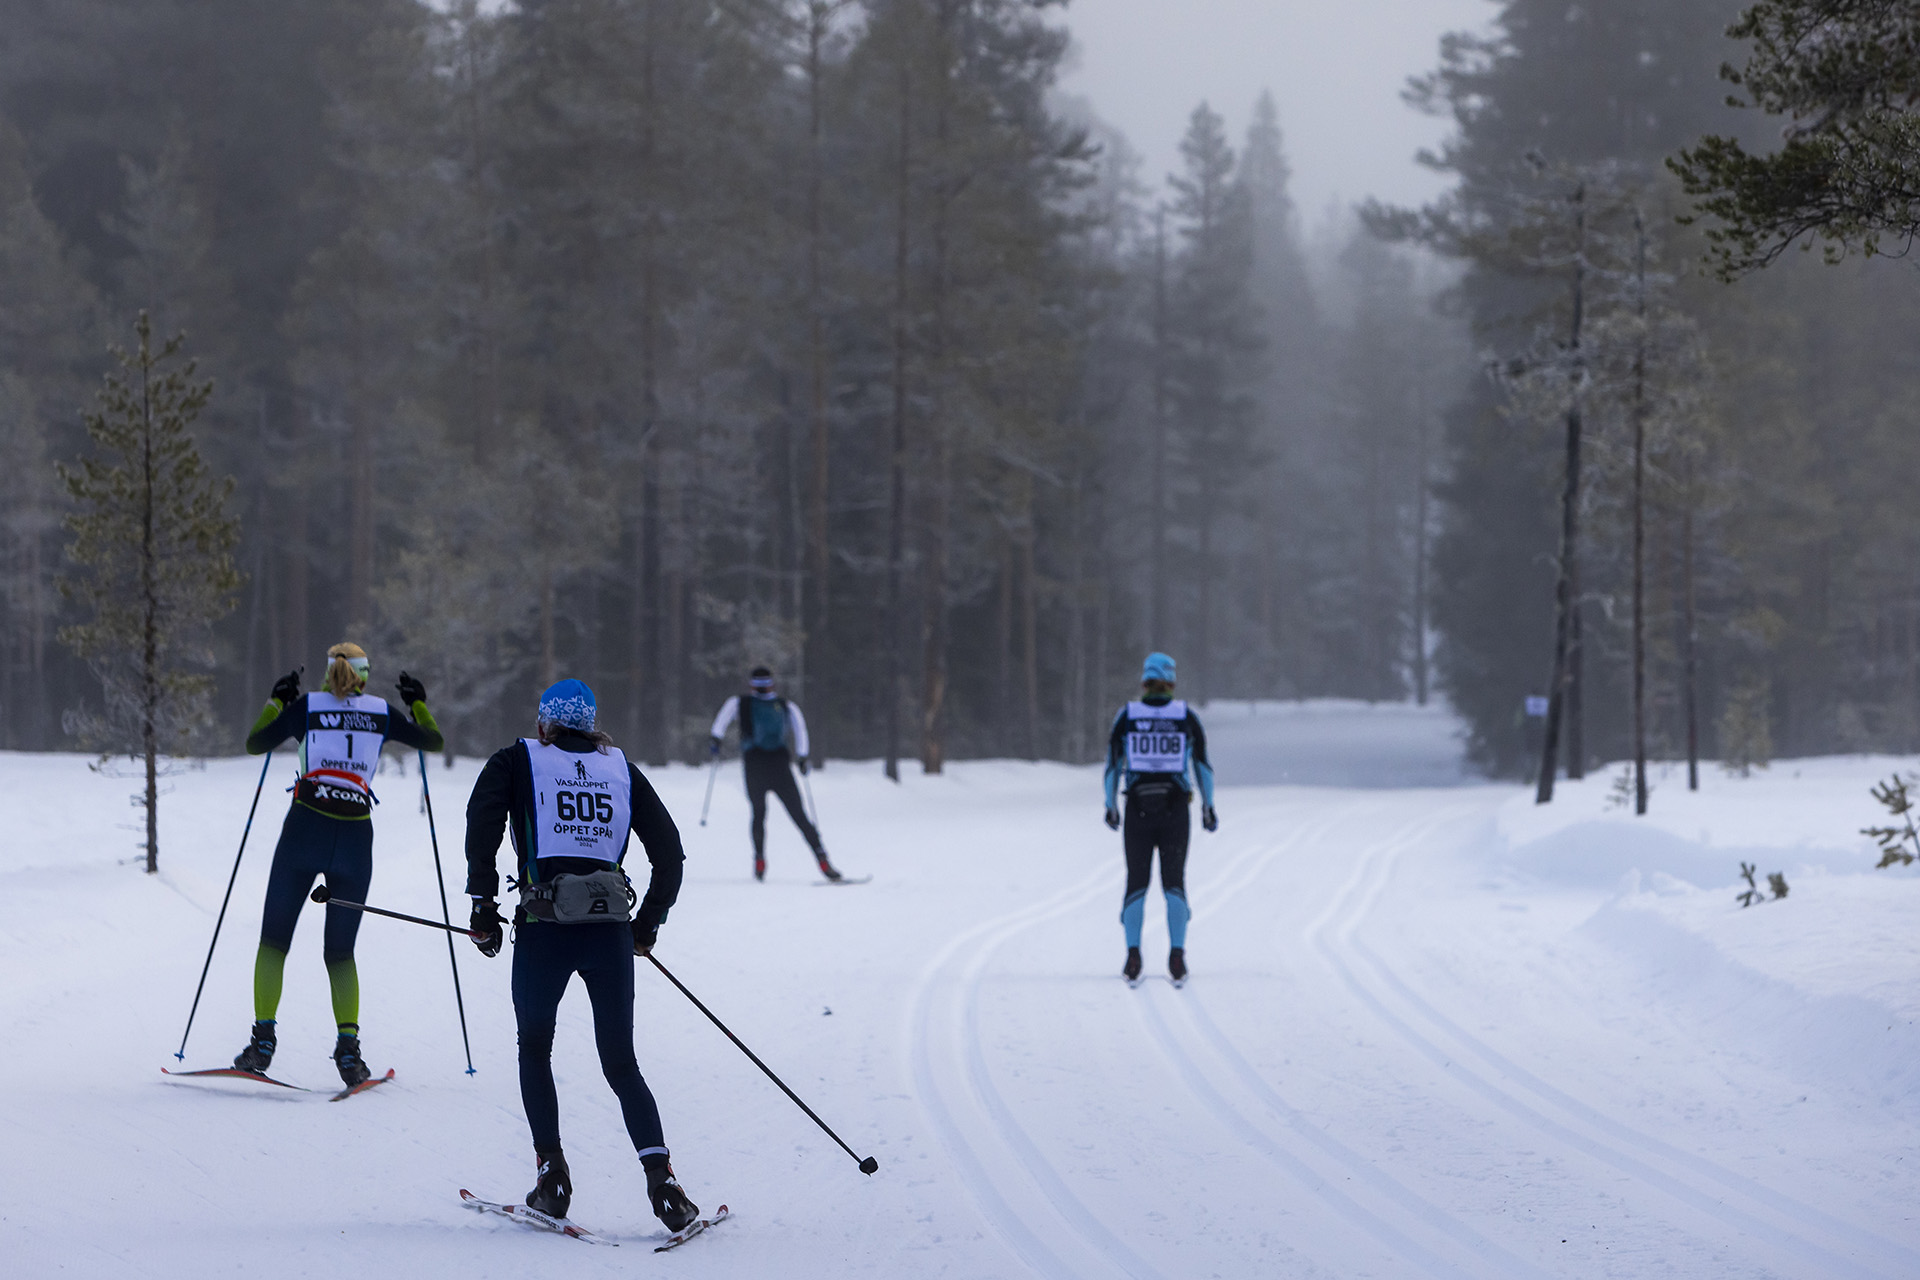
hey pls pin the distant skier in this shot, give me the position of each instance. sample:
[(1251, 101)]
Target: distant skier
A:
[(328, 832), (767, 723), (570, 799), (1153, 742)]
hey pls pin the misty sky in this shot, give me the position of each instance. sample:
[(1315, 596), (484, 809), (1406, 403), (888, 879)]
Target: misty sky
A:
[(1335, 67)]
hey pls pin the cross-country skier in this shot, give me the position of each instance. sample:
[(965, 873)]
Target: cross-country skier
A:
[(767, 723), (328, 832), (1153, 742), (570, 798)]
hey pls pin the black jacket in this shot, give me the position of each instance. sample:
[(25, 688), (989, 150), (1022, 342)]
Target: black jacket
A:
[(503, 798)]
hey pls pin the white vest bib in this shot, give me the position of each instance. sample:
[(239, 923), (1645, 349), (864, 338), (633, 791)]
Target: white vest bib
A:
[(1156, 742), (582, 803)]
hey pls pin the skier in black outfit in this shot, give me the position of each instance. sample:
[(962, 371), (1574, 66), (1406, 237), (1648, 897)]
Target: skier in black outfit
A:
[(328, 832), (569, 798), (768, 722), (1153, 742)]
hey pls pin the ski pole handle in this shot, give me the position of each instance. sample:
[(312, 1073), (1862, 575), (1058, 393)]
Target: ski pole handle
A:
[(322, 894)]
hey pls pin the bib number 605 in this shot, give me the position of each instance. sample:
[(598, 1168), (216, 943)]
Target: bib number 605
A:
[(583, 806)]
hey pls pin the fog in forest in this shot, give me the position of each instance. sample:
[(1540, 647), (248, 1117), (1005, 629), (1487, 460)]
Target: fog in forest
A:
[(947, 363)]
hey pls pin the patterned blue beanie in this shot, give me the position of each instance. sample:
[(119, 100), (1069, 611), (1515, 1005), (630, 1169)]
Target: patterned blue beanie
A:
[(568, 704), (1159, 667)]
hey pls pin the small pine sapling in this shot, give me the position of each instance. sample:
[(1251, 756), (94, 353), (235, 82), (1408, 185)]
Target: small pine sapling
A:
[(1776, 882), (1902, 843)]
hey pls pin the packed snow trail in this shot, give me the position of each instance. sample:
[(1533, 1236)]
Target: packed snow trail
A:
[(1429, 1033)]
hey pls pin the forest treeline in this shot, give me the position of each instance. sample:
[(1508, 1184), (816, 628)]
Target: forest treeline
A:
[(647, 340)]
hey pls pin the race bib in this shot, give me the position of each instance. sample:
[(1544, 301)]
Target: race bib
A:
[(341, 751), (582, 802), (1156, 743)]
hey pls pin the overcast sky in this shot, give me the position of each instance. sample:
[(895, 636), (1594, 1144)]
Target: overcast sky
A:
[(1336, 68)]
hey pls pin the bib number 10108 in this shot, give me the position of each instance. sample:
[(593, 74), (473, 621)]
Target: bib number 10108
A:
[(583, 806)]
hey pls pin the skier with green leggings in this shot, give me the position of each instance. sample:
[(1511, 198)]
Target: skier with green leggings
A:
[(328, 832)]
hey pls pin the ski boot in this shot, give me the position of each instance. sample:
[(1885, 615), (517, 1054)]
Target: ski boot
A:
[(1177, 965), (346, 1056), (826, 868), (553, 1186), (759, 867), (1131, 970), (258, 1055), (670, 1203)]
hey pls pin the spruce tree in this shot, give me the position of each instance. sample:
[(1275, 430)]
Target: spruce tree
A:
[(154, 541)]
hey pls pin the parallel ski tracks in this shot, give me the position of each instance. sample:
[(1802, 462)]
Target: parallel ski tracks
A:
[(1420, 1233), (1691, 1179), (946, 1012)]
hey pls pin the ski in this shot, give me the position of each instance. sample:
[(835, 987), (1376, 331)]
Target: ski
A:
[(363, 1086), (527, 1217), (842, 880), (1178, 983), (1134, 982), (233, 1073), (693, 1229)]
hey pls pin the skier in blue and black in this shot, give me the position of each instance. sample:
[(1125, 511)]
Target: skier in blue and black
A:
[(1154, 742), (768, 722)]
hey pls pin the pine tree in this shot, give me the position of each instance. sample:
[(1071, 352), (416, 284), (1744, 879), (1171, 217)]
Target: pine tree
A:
[(153, 537)]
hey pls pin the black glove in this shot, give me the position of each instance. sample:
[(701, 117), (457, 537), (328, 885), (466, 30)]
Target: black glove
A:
[(713, 748), (802, 762), (1208, 818), (645, 934), (487, 922), (287, 687), (411, 690), (1113, 817)]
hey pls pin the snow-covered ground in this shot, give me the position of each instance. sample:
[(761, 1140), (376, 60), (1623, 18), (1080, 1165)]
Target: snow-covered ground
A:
[(1431, 1032)]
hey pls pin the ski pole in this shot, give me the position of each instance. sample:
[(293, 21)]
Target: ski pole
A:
[(867, 1166), (806, 777), (322, 894), (711, 775), (426, 797), (181, 1054)]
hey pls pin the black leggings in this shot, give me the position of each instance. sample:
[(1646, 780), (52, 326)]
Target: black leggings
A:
[(545, 958), (770, 771), (1162, 825), (312, 844)]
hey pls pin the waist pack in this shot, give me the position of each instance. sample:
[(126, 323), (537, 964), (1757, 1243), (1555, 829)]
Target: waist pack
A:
[(599, 897), (1161, 795)]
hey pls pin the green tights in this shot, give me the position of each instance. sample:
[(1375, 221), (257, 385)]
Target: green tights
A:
[(269, 975)]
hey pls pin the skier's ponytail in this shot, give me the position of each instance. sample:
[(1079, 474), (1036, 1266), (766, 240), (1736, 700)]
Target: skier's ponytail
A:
[(346, 669)]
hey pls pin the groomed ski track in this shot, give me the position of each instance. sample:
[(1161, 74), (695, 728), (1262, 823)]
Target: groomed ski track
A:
[(1410, 1048)]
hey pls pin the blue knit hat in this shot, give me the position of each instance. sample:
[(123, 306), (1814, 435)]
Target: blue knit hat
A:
[(568, 704), (1159, 667)]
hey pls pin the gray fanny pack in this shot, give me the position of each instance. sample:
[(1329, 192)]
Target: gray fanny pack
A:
[(599, 897)]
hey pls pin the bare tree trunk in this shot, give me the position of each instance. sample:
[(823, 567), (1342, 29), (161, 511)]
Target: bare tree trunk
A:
[(360, 472), (897, 461), (150, 607), (1423, 465), (1564, 686), (936, 572), (1157, 468), (1690, 632), (1639, 523), (819, 562), (649, 650), (299, 515), (1030, 630)]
